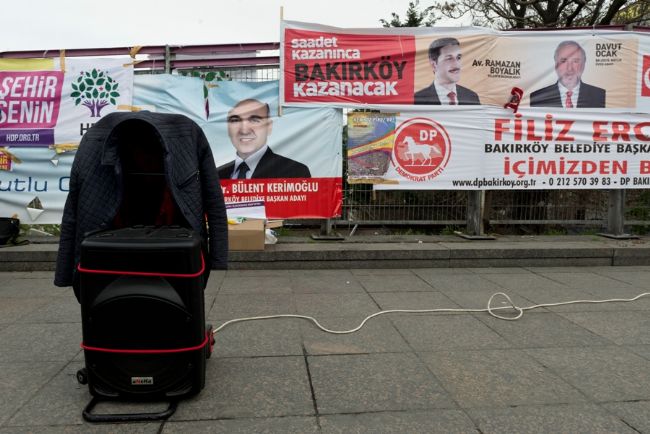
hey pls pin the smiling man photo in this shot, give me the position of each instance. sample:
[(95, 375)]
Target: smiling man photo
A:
[(445, 60)]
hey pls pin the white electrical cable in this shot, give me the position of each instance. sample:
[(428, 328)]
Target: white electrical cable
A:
[(491, 310)]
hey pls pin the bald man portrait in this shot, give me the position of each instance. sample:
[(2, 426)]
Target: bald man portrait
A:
[(249, 127)]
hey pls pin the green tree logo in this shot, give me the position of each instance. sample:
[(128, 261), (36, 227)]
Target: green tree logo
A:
[(94, 89)]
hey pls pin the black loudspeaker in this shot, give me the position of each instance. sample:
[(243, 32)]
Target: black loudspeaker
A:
[(143, 319)]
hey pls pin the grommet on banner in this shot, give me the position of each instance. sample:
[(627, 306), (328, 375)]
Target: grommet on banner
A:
[(62, 60)]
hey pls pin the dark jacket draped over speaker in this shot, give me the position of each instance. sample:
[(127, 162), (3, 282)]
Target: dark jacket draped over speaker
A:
[(103, 194)]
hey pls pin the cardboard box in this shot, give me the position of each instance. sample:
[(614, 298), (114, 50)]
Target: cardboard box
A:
[(248, 235)]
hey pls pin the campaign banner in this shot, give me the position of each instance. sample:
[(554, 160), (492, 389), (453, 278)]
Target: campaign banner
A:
[(293, 157), (534, 149), (45, 109), (47, 103), (166, 93), (428, 68)]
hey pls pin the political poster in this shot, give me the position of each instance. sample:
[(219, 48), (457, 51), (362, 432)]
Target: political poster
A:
[(441, 68), (534, 149), (291, 159), (46, 106)]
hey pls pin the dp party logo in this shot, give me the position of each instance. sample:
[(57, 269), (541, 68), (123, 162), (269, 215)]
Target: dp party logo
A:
[(421, 150)]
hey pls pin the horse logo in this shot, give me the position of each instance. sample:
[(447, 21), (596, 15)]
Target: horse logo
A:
[(422, 149)]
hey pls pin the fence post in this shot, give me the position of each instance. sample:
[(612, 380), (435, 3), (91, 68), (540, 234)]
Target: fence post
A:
[(616, 216), (168, 60), (474, 229)]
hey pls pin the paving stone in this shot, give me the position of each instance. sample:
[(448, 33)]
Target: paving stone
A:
[(431, 421), (259, 273), (251, 387), (537, 330), (382, 272), (634, 414), (325, 284), (586, 281), (524, 281), (577, 419), (604, 374), (254, 285), (413, 300), (59, 402), (641, 350), (32, 287), (273, 337), (86, 428), (638, 278), (230, 306), (261, 425), (378, 335), (348, 304), (500, 270), (19, 381), (445, 282), (374, 382), (478, 299), (382, 283), (63, 309), (630, 328), (39, 342), (14, 308), (498, 378), (432, 332)]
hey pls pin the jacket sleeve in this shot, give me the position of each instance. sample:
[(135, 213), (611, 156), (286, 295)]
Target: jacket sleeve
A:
[(213, 206), (66, 254)]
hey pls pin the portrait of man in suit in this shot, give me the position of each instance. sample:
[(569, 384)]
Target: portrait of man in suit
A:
[(249, 127), (444, 58), (569, 91)]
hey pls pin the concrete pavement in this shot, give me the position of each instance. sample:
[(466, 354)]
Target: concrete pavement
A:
[(574, 369)]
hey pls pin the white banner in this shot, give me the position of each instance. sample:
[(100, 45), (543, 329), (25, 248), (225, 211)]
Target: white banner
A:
[(535, 149)]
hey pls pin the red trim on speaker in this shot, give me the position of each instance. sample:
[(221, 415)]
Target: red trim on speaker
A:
[(173, 350), (143, 273)]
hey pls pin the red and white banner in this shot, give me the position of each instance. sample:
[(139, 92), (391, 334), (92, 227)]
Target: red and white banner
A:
[(534, 149), (427, 68), (294, 157)]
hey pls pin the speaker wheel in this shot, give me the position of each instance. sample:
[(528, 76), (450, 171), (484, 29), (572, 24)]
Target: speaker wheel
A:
[(82, 376)]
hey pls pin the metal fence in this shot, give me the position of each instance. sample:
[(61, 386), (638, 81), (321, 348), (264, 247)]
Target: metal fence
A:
[(542, 208)]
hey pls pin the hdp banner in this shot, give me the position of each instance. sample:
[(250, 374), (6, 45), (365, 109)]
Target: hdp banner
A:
[(428, 68), (495, 149), (292, 158), (46, 106)]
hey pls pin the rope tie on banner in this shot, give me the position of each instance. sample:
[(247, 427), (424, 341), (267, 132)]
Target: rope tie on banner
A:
[(133, 52), (10, 155), (62, 60), (60, 148)]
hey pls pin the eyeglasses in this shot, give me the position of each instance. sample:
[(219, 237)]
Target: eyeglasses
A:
[(255, 120)]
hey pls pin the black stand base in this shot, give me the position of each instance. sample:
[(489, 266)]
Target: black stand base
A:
[(619, 236), (474, 237)]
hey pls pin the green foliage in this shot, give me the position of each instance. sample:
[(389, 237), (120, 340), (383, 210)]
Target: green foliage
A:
[(414, 17), (519, 14), (207, 77)]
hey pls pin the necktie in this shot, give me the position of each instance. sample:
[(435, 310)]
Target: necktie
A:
[(569, 103), (241, 170), (452, 98)]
